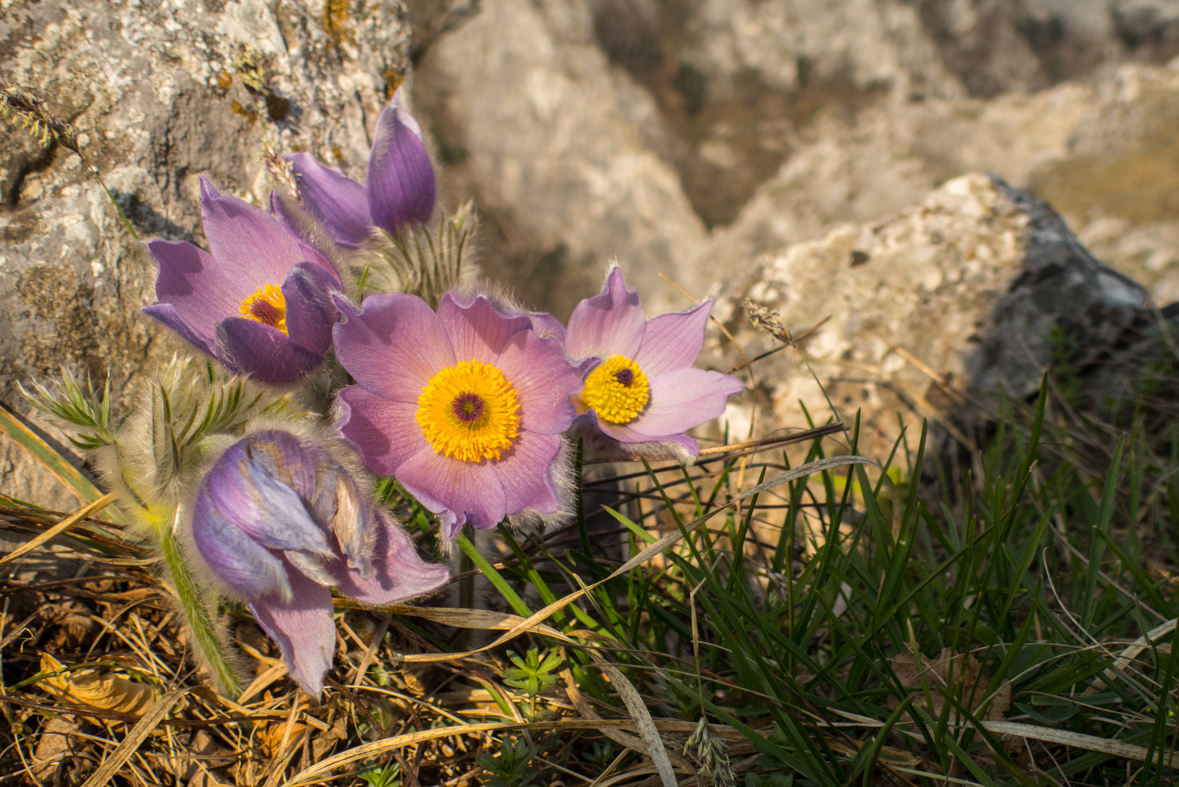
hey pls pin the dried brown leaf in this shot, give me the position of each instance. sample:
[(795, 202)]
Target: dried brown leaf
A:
[(104, 691)]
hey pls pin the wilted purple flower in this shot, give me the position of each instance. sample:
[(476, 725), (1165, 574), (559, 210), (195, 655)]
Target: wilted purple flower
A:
[(398, 189), (260, 302), (280, 522), (642, 388), (464, 407)]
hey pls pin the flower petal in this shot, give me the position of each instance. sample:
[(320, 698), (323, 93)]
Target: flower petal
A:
[(628, 442), (303, 628), (470, 492), (682, 399), (191, 281), (673, 341), (249, 244), (479, 330), (336, 200), (383, 431), (394, 346), (310, 311), (314, 244), (399, 573), (166, 313), (268, 510), (544, 380), (547, 325), (526, 473), (400, 179), (607, 324), (245, 566), (250, 347)]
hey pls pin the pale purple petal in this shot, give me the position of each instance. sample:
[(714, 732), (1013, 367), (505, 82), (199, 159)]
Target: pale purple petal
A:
[(526, 473), (394, 346), (471, 491), (303, 628), (166, 313), (334, 199), (682, 399), (310, 310), (190, 279), (266, 509), (314, 244), (478, 331), (246, 567), (546, 325), (673, 341), (249, 347), (607, 324), (400, 179), (624, 435), (383, 431), (399, 573), (544, 380), (250, 245)]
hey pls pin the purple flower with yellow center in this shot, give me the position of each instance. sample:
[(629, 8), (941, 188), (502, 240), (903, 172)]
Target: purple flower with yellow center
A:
[(464, 407), (640, 386), (260, 301), (280, 522), (398, 188)]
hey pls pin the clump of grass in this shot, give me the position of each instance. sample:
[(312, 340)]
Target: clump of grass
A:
[(767, 617)]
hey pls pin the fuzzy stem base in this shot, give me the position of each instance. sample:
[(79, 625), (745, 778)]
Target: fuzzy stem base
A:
[(197, 613)]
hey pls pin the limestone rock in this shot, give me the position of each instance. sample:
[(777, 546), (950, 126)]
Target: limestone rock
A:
[(528, 121), (1104, 154), (977, 288), (160, 93)]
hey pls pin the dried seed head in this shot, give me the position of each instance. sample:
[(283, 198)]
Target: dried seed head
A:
[(32, 113)]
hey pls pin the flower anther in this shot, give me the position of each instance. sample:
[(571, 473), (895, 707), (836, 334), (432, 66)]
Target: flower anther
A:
[(267, 306), (469, 412), (617, 390)]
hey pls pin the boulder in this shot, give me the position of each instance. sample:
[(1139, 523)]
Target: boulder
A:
[(1104, 154), (978, 288), (159, 93), (533, 123)]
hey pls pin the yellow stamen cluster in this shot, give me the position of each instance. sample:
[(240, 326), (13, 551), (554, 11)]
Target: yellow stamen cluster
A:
[(267, 306), (617, 390), (469, 412)]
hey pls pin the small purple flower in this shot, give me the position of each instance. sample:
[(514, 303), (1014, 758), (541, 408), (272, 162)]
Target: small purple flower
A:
[(641, 387), (464, 407), (398, 190), (280, 522), (260, 302)]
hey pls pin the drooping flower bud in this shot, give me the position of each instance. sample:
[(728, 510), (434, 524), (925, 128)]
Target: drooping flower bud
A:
[(279, 522)]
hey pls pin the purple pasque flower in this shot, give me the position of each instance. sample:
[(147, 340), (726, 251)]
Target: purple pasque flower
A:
[(260, 301), (464, 407), (640, 386), (398, 189), (280, 522)]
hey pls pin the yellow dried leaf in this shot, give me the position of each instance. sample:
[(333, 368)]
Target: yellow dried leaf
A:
[(104, 691)]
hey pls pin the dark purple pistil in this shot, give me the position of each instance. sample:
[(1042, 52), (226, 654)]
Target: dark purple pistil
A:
[(467, 407), (625, 376), (266, 312)]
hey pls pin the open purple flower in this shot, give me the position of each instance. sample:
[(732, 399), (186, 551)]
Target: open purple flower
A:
[(464, 407), (642, 388), (260, 301), (398, 189), (280, 522)]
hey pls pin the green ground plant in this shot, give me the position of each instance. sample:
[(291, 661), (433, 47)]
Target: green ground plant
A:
[(1000, 614)]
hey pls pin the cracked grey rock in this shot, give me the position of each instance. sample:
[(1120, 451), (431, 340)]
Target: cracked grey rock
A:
[(160, 93), (965, 293)]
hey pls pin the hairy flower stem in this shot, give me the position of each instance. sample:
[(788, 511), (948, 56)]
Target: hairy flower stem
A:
[(192, 604)]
